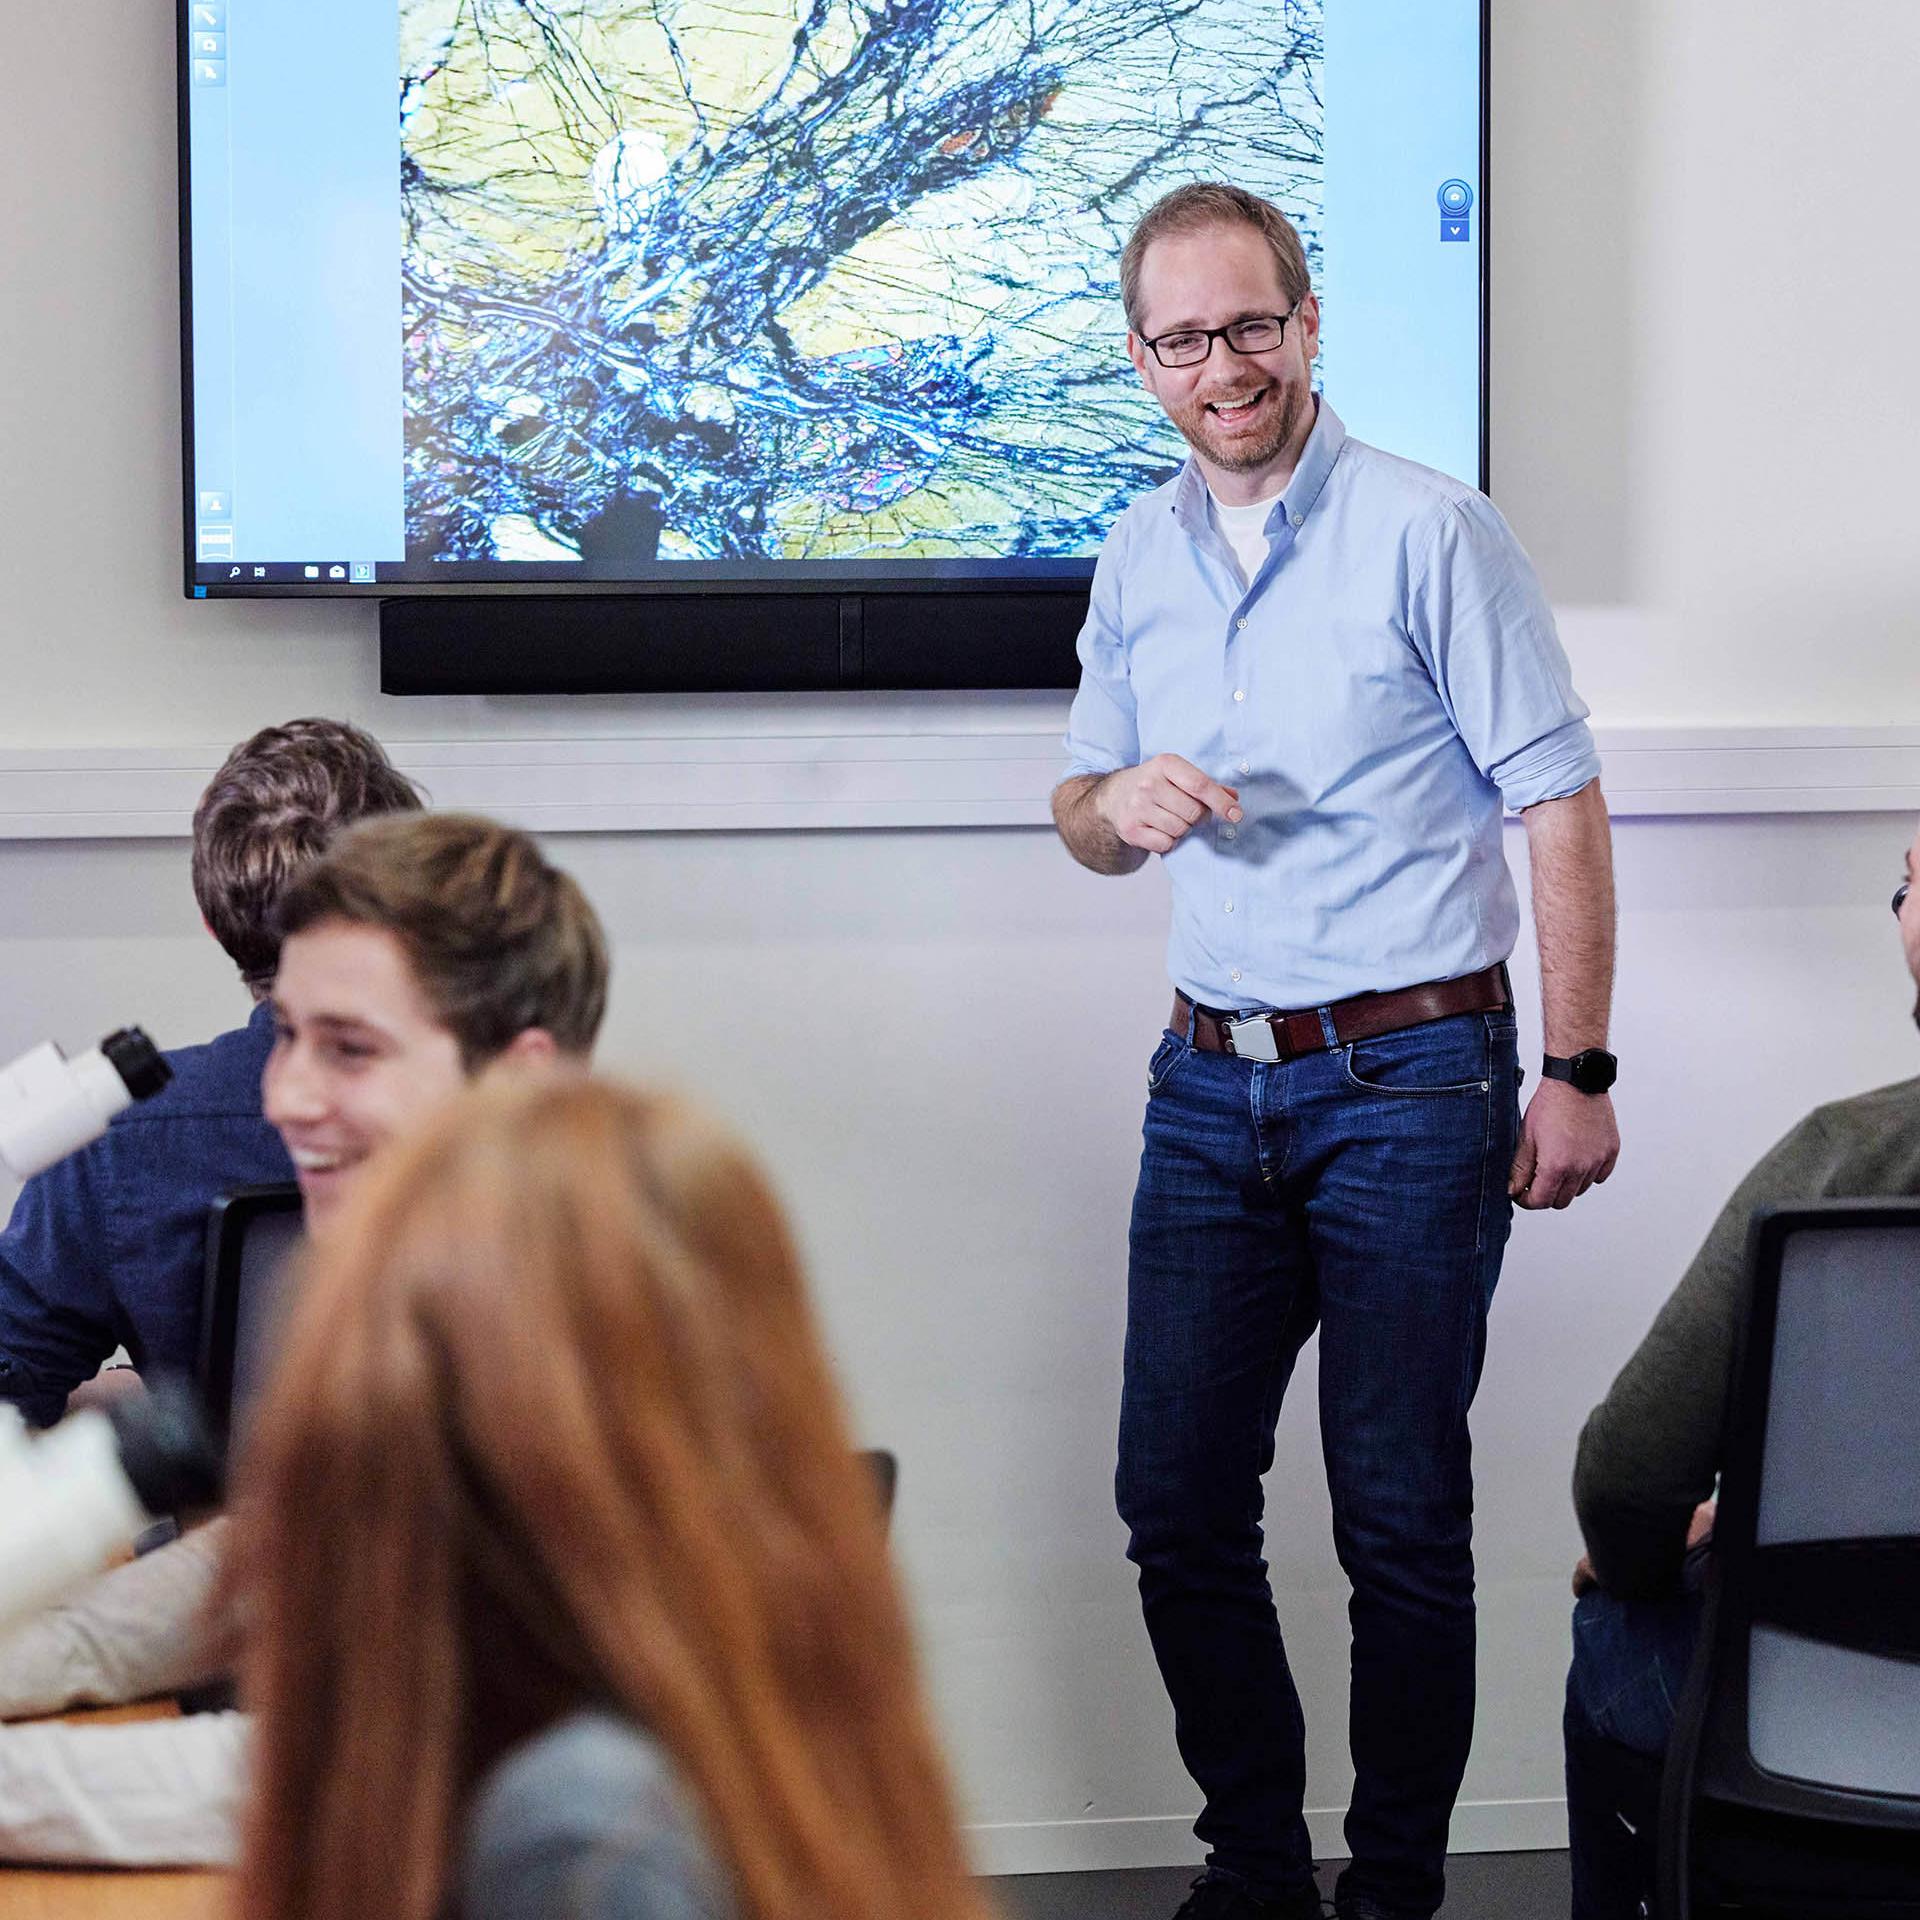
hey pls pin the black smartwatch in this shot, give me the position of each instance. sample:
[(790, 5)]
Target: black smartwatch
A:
[(1591, 1070)]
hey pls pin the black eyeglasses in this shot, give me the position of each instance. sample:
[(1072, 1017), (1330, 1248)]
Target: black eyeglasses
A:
[(1188, 346), (1900, 897)]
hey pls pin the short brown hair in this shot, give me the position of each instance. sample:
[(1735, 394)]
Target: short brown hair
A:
[(269, 812), (498, 939), (1212, 203)]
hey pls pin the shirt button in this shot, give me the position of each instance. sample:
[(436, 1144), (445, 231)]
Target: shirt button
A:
[(1234, 976), (1227, 906), (1227, 833), (1239, 693), (1299, 519), (1244, 768), (1240, 625)]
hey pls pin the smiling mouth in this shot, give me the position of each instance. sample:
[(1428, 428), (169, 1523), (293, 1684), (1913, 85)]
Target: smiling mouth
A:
[(307, 1161), (1229, 412)]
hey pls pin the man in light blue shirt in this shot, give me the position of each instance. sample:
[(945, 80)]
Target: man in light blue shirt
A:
[(1312, 677)]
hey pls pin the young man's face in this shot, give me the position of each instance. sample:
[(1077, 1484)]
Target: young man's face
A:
[(1244, 415), (359, 1057)]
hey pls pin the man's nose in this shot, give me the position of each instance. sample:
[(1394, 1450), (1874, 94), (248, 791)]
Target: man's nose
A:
[(291, 1091)]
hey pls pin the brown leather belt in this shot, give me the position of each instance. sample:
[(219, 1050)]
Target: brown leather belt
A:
[(1286, 1036)]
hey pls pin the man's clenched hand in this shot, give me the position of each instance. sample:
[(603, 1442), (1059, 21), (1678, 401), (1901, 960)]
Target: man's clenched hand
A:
[(1153, 805)]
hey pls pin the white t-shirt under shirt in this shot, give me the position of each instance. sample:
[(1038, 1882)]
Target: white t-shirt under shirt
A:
[(1245, 530)]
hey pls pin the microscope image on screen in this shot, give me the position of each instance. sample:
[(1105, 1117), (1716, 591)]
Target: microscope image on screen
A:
[(805, 280)]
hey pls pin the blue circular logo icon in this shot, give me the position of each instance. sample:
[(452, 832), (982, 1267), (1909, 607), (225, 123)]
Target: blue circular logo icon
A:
[(1455, 197)]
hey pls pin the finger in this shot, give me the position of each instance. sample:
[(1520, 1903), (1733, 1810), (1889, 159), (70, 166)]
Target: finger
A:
[(1554, 1187), (1209, 792), (1521, 1171), (1151, 840), (1175, 800), (1165, 820), (1551, 1187)]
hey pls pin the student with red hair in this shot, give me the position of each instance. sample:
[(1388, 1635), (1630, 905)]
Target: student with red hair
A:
[(567, 1594)]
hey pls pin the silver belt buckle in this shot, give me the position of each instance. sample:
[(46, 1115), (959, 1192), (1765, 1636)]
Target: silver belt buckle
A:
[(1253, 1039)]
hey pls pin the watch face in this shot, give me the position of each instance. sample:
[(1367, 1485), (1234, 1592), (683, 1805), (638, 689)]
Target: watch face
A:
[(1594, 1070)]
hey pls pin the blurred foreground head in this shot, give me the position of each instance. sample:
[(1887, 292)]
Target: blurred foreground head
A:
[(554, 1427)]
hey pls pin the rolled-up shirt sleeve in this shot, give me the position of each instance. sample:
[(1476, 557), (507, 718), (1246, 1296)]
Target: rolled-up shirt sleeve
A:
[(142, 1629), (1481, 624), (1103, 729)]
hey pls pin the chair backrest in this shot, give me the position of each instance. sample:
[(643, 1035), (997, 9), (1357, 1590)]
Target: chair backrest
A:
[(1804, 1699), (885, 1469), (250, 1235)]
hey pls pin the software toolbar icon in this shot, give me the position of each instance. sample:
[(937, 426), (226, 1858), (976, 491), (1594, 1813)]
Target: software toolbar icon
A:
[(1456, 210)]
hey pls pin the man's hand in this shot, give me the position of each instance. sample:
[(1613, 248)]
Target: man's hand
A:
[(1568, 1143), (1700, 1527), (1584, 1577), (1153, 805)]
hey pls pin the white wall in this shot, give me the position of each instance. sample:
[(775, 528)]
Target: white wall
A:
[(1702, 399)]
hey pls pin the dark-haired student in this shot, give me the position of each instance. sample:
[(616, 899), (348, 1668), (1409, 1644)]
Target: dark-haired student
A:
[(1648, 1464), (416, 955), (107, 1249)]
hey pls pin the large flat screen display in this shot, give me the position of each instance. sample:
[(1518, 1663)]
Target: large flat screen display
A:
[(620, 295)]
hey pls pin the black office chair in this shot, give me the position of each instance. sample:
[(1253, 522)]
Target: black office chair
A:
[(251, 1234), (1792, 1782)]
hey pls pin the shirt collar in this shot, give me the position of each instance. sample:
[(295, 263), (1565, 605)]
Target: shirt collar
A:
[(1296, 501)]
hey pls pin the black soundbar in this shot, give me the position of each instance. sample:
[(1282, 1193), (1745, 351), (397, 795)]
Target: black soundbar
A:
[(732, 642)]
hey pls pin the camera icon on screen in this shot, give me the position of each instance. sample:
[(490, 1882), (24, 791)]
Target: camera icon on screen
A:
[(1456, 210)]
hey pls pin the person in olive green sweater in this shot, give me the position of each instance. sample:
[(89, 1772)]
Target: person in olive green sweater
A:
[(1644, 1479)]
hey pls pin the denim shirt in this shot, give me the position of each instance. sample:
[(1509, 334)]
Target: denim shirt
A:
[(108, 1247), (1387, 680)]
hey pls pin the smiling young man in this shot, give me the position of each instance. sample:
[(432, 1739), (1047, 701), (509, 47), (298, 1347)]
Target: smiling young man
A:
[(419, 955), (1312, 676), (421, 952)]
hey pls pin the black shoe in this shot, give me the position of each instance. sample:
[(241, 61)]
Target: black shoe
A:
[(1359, 1907), (1214, 1897)]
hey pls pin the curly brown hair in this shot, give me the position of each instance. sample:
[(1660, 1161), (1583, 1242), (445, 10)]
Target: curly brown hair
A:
[(269, 813)]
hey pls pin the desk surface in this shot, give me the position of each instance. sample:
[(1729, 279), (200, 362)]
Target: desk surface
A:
[(86, 1893)]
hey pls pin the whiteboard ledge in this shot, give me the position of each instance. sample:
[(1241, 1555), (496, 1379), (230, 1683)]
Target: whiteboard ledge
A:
[(798, 782)]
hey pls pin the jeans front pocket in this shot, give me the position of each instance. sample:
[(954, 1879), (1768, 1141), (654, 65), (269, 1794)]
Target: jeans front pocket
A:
[(1438, 1057), (1173, 1052)]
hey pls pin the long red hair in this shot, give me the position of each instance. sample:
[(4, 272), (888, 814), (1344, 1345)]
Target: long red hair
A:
[(553, 1425)]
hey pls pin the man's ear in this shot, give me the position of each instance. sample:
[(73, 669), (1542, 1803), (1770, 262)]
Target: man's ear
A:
[(531, 1046), (1310, 326), (1142, 360)]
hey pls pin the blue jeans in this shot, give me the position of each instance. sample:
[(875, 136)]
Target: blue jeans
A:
[(1362, 1190), (1630, 1660)]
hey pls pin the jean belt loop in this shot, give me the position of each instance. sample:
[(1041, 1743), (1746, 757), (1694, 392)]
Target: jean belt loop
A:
[(1328, 1032), (1193, 1013)]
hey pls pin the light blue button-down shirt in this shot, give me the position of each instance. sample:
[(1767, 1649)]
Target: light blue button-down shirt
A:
[(1390, 678)]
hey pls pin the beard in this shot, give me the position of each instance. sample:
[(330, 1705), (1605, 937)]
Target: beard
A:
[(1244, 451)]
